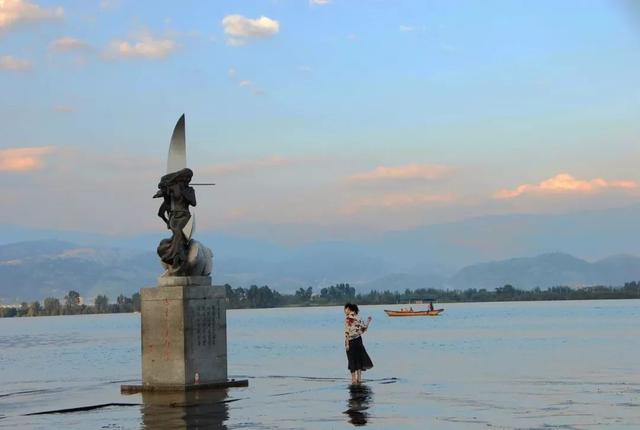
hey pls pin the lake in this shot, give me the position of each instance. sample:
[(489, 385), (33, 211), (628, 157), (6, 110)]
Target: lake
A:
[(527, 365)]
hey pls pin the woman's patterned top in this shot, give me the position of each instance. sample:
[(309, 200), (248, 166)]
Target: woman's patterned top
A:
[(353, 326)]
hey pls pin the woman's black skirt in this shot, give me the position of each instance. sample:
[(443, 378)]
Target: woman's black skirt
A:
[(357, 356)]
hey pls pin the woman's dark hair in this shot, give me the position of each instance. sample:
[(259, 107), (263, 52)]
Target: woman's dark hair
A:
[(352, 307)]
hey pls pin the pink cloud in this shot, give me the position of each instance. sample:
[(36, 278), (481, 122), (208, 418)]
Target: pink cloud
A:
[(23, 159), (14, 12), (565, 183), (407, 171), (13, 64)]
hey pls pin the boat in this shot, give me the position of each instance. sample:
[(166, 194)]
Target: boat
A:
[(410, 312)]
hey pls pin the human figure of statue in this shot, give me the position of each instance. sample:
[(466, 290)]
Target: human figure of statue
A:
[(177, 196)]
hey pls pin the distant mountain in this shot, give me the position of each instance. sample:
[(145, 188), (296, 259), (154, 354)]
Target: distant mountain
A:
[(548, 270), (438, 255), (35, 270), (38, 269), (445, 247), (403, 281)]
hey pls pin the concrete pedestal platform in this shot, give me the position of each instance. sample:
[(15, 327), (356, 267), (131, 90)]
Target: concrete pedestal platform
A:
[(141, 388), (184, 335)]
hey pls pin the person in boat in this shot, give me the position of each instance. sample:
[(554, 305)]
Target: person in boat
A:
[(357, 357), (431, 306)]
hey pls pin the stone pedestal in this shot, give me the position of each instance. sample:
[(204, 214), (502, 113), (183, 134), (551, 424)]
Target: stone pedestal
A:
[(184, 334)]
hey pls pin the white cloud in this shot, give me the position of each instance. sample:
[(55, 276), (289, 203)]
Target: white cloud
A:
[(250, 86), (15, 12), (69, 44), (145, 46), (244, 83), (240, 30), (13, 64), (319, 2)]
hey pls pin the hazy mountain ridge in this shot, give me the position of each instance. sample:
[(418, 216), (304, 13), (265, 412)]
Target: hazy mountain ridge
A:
[(548, 270), (439, 256), (112, 272)]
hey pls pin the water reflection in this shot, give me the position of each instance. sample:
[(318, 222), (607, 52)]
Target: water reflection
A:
[(204, 409), (360, 397)]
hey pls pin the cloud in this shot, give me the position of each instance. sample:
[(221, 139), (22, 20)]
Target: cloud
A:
[(13, 64), (319, 2), (145, 46), (15, 12), (244, 83), (405, 172), (69, 44), (251, 87), (564, 183), (240, 30), (23, 159)]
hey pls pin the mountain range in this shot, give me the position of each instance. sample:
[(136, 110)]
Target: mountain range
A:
[(475, 252), (28, 276)]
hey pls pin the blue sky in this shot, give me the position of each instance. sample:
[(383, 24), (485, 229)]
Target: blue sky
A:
[(343, 117)]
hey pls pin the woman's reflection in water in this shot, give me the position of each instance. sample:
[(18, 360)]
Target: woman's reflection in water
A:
[(360, 397), (204, 409)]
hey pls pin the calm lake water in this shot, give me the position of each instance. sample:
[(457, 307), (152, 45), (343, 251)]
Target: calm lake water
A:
[(570, 365)]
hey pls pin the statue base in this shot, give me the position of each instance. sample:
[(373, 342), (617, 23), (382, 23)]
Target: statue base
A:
[(141, 388), (184, 335), (184, 281)]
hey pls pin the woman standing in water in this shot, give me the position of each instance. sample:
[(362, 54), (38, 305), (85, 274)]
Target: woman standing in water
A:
[(356, 354)]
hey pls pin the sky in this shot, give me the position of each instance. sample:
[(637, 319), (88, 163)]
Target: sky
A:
[(317, 119)]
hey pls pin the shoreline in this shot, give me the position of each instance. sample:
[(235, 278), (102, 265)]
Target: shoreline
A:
[(326, 305)]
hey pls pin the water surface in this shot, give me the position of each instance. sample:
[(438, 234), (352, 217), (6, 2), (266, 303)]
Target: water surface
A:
[(530, 365)]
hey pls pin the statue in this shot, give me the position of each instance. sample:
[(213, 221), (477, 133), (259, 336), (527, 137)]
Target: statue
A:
[(180, 255), (183, 318)]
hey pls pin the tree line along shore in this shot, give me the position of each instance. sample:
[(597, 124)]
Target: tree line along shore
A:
[(265, 297)]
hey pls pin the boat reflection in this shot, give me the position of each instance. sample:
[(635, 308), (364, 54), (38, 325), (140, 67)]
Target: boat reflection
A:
[(203, 409), (360, 397)]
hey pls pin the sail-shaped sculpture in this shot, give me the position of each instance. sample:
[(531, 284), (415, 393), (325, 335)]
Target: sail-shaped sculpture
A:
[(181, 255), (177, 158)]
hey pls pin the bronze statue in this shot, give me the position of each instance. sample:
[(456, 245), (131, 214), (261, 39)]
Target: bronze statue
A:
[(177, 197), (180, 255)]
